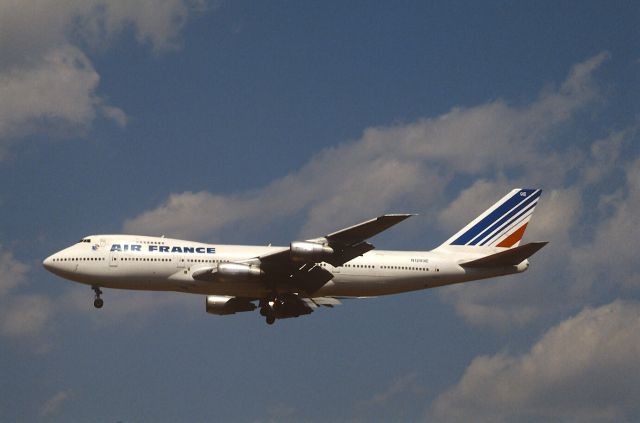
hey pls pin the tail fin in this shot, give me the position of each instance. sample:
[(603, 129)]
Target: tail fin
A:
[(503, 224)]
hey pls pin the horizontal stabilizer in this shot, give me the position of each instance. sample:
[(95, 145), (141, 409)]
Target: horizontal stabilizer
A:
[(511, 257)]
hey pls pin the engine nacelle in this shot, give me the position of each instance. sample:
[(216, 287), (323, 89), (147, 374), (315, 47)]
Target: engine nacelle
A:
[(223, 304), (309, 251), (234, 271)]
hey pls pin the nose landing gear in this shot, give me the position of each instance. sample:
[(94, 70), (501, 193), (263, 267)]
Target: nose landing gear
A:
[(98, 302)]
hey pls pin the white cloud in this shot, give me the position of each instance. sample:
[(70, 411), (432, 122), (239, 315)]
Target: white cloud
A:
[(583, 369), (25, 315), (123, 306), (30, 28), (115, 114), (393, 402), (403, 387), (332, 199), (516, 301), (12, 272), (611, 256), (558, 212), (46, 81), (400, 400), (479, 196), (59, 91), (21, 315), (585, 246), (157, 22), (407, 167), (53, 404), (30, 317), (605, 154), (403, 165), (499, 304)]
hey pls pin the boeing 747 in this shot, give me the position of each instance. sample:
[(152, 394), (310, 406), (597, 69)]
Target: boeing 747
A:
[(284, 282)]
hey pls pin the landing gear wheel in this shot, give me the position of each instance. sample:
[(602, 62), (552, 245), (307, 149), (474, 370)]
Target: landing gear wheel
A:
[(271, 320), (97, 303)]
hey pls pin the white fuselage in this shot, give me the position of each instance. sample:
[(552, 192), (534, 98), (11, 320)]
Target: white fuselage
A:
[(164, 264)]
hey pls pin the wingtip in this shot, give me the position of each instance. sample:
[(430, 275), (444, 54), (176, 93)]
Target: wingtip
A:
[(399, 215)]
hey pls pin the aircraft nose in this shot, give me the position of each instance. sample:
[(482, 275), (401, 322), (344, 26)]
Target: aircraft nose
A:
[(48, 263)]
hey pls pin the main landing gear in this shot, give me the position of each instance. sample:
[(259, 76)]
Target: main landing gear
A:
[(98, 302), (266, 310)]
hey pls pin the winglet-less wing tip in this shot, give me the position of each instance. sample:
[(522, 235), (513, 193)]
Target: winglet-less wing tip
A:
[(367, 229)]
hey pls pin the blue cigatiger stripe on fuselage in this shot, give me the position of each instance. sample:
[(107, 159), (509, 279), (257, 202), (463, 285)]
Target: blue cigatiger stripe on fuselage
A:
[(505, 221), (492, 217)]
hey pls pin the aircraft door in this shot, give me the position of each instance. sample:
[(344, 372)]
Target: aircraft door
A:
[(180, 260), (114, 257)]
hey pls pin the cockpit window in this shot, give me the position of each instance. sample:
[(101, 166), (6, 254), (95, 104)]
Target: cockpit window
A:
[(84, 240)]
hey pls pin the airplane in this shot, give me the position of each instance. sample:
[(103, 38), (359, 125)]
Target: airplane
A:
[(295, 280)]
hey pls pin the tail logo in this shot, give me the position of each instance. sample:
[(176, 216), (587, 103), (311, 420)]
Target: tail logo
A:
[(503, 224)]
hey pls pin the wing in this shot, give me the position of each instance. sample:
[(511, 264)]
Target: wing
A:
[(297, 266), (343, 245), (299, 263)]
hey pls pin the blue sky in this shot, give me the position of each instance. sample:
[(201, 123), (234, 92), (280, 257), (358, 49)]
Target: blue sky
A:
[(259, 122)]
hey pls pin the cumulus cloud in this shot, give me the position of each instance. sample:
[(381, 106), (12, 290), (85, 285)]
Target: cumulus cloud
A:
[(46, 80), (406, 164), (586, 212), (412, 167), (31, 27), (21, 315), (12, 272), (25, 315), (506, 302), (57, 92), (583, 369), (500, 304), (461, 210), (614, 247), (55, 403), (393, 402), (123, 306), (404, 387)]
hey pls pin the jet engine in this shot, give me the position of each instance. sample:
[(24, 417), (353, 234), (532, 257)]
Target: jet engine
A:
[(222, 305), (305, 251), (234, 271)]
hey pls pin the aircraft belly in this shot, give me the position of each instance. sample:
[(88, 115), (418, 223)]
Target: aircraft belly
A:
[(127, 278), (370, 285)]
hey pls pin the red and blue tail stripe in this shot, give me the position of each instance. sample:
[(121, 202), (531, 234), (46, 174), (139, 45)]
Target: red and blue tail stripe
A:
[(503, 224)]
